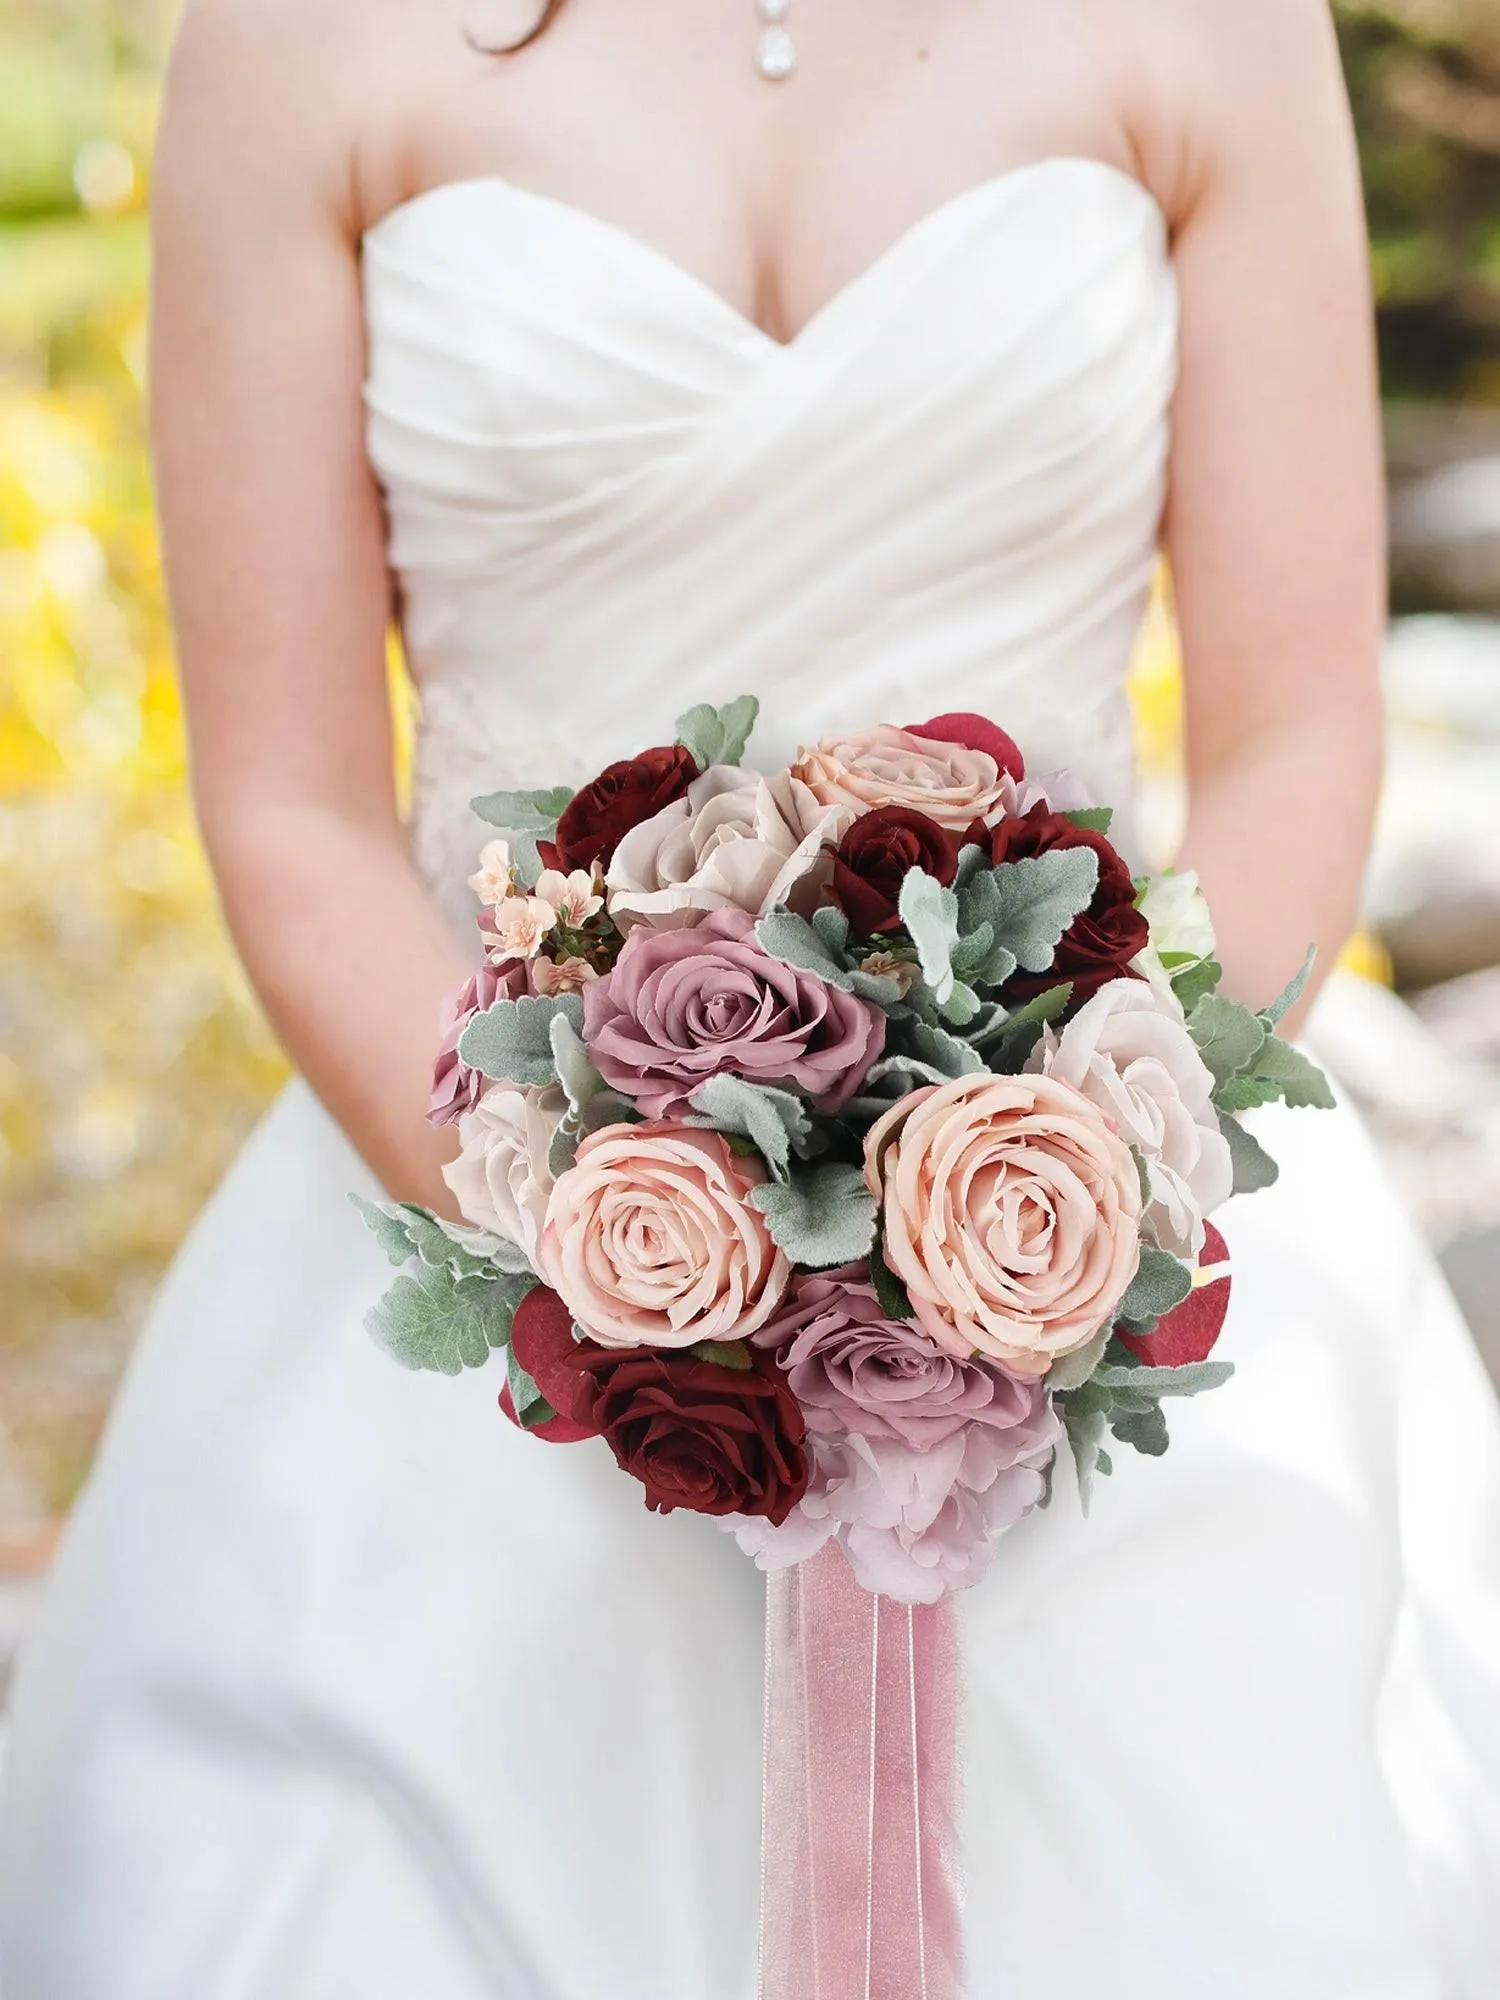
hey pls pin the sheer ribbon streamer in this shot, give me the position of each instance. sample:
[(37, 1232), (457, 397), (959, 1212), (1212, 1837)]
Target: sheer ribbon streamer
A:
[(859, 1886)]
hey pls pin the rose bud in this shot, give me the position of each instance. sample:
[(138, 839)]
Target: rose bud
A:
[(874, 858)]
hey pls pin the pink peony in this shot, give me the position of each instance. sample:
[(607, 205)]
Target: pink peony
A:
[(852, 1369), (1011, 1211), (949, 782), (652, 1242), (681, 1006), (455, 1087)]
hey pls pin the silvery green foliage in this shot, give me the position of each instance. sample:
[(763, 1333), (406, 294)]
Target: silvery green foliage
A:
[(775, 1121), (524, 812), (1254, 1168), (1161, 1282), (581, 1082), (796, 942), (819, 1216), (930, 914), (718, 735), (1228, 1036), (531, 1406), (1192, 979), (1092, 819), (512, 1040), (1250, 1064), (403, 1231), (1124, 1399), (946, 1054), (432, 1319), (1031, 903), (1009, 1039), (1287, 999), (591, 1102)]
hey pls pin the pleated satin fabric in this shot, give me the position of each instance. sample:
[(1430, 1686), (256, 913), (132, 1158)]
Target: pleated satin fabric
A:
[(347, 1690)]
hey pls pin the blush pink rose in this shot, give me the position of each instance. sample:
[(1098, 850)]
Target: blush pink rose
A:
[(949, 782), (852, 1369), (455, 1087), (651, 1240), (1012, 1213), (501, 1179), (681, 1006)]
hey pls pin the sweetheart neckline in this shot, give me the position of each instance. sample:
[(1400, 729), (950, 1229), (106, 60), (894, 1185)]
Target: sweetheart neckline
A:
[(647, 253)]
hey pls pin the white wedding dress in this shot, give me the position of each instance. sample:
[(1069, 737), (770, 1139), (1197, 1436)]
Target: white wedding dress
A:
[(346, 1690)]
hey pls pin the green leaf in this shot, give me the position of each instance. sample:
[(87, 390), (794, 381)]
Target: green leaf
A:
[(1297, 1082), (1085, 1424), (775, 1121), (972, 952), (404, 1231), (945, 1053), (930, 914), (718, 735), (1035, 900), (832, 926), (1253, 1166), (961, 1006), (513, 1038), (1246, 1092), (387, 1223), (524, 812), (1194, 1378), (1160, 1282), (432, 1319), (819, 1218), (1291, 993), (725, 1354), (895, 1299), (532, 1407), (1092, 819), (581, 1082), (1036, 1013), (1229, 1036), (1074, 1369), (790, 938), (1198, 977)]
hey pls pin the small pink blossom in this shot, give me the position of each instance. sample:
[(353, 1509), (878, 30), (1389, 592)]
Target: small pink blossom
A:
[(521, 922), (561, 975), (496, 876), (575, 897)]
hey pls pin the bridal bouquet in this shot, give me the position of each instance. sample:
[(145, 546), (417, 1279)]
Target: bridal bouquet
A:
[(835, 1144)]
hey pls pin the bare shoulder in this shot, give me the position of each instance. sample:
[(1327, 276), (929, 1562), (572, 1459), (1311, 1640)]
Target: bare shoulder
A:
[(262, 107), (1219, 86)]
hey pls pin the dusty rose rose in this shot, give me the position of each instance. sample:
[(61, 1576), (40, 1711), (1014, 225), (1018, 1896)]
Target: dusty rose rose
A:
[(455, 1087), (736, 841), (915, 1524), (1128, 1051), (652, 1242), (500, 1179), (852, 1369), (949, 782), (682, 1006), (1011, 1211)]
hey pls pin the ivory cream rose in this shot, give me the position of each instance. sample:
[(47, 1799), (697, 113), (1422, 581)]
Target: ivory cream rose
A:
[(1128, 1052), (652, 1241), (1011, 1212), (500, 1179), (949, 782), (736, 841)]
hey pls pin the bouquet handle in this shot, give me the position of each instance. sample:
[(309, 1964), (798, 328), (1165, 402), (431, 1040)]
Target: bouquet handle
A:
[(859, 1886)]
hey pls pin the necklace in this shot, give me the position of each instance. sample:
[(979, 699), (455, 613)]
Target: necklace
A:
[(775, 52)]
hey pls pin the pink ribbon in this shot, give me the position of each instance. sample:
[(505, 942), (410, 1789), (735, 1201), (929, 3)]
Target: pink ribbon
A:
[(859, 1889)]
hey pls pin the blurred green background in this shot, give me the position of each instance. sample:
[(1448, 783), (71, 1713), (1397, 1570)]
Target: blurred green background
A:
[(132, 1059)]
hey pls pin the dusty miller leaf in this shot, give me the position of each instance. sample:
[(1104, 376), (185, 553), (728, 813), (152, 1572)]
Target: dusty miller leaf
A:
[(581, 1082), (775, 1121), (1194, 979), (1036, 899), (1297, 1081), (1253, 1166), (1229, 1036), (512, 1039), (524, 812), (819, 1218), (531, 1406), (718, 735), (431, 1319), (1291, 993), (945, 1053), (1092, 819), (1160, 1282), (783, 935), (930, 914), (1194, 1378)]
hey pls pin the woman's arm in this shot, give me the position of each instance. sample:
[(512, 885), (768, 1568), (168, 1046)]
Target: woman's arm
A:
[(275, 558), (1276, 518)]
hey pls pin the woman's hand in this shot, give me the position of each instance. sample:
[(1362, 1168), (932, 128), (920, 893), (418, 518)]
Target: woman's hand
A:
[(275, 554)]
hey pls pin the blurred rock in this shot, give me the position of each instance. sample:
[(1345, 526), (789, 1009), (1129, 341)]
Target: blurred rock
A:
[(1433, 890)]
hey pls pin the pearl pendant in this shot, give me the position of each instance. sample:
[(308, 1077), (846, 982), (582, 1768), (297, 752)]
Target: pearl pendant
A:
[(776, 52)]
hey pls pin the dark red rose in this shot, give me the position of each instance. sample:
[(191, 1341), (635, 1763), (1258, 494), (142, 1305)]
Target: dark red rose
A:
[(1189, 1332), (598, 818), (874, 858), (974, 732), (1102, 940), (542, 1339), (695, 1433)]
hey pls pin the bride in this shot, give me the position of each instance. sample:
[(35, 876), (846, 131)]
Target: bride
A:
[(650, 372)]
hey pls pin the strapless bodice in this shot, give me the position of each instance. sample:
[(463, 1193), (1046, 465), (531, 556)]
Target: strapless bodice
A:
[(611, 495)]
